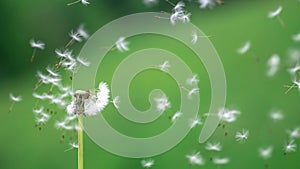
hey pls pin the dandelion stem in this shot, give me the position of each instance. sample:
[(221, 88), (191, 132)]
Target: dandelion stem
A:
[(11, 106), (289, 88), (170, 3), (80, 143), (72, 3), (33, 55), (69, 43), (281, 21)]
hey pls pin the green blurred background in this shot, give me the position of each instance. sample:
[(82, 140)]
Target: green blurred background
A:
[(249, 90)]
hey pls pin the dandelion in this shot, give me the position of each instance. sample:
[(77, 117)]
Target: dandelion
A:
[(266, 153), (122, 44), (116, 101), (296, 37), (295, 133), (276, 13), (194, 122), (147, 163), (245, 48), (276, 115), (36, 45), (84, 2), (195, 159), (241, 136), (213, 146), (273, 65), (193, 80), (176, 116), (162, 103), (221, 161), (164, 66), (14, 99), (289, 147)]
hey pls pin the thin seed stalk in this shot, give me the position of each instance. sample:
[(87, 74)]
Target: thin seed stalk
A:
[(80, 143), (72, 3)]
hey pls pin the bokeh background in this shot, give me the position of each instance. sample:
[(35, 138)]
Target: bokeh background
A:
[(249, 89)]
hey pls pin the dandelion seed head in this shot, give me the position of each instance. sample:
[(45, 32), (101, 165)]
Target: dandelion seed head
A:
[(296, 37), (75, 36), (85, 2)]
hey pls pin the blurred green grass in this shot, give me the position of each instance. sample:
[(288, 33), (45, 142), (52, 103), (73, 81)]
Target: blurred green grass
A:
[(248, 88)]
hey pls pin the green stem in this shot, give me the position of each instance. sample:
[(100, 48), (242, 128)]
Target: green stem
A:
[(80, 143)]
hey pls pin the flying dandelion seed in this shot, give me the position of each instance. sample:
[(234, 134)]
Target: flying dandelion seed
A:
[(195, 159), (122, 44), (195, 37), (176, 116), (193, 80), (148, 163), (162, 103), (116, 101), (14, 100), (213, 146), (242, 136), (290, 146), (296, 37), (221, 161), (228, 115), (150, 2), (294, 133), (36, 45), (83, 61), (276, 115), (276, 13), (265, 153), (84, 2), (164, 66), (194, 122), (206, 3), (273, 65), (245, 48)]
